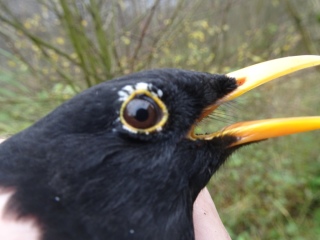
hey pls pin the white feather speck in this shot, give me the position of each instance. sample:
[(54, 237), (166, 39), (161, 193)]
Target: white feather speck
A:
[(123, 95), (160, 93), (129, 129), (128, 88), (142, 86)]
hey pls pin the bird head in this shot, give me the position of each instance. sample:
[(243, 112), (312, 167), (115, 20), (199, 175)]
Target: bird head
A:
[(122, 158)]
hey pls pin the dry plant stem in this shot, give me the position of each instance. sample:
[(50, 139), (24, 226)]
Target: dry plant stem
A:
[(143, 33)]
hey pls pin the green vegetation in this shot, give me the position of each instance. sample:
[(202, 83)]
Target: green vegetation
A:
[(52, 49)]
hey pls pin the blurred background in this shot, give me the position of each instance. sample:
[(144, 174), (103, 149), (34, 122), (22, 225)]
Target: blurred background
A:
[(52, 49)]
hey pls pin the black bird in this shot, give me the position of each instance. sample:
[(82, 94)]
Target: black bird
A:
[(121, 159)]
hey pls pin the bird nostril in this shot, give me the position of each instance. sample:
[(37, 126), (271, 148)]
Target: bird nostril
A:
[(241, 81)]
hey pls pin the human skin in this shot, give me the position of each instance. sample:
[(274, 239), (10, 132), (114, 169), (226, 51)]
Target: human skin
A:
[(206, 220), (207, 223)]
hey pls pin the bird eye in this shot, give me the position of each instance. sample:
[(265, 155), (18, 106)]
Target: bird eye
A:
[(142, 112)]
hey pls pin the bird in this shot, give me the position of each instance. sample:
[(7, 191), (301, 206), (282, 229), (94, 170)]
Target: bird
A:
[(122, 160)]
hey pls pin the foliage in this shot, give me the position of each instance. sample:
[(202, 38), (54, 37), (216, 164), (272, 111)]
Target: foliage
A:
[(52, 49)]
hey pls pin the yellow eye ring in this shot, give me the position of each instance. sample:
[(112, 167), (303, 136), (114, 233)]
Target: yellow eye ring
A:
[(146, 104)]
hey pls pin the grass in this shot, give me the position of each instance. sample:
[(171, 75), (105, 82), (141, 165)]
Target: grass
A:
[(270, 190), (22, 103)]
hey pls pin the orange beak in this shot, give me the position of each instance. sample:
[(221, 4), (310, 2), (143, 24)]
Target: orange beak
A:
[(251, 77)]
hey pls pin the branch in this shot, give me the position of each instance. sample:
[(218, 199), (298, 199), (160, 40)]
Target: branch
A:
[(305, 36), (143, 33)]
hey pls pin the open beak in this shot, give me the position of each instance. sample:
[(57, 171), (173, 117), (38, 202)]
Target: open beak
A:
[(251, 77)]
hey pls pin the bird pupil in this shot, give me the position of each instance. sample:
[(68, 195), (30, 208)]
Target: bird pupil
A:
[(142, 115)]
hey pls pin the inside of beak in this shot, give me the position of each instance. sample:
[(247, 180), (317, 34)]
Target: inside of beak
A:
[(249, 78)]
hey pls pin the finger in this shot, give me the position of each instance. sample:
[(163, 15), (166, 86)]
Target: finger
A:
[(207, 223)]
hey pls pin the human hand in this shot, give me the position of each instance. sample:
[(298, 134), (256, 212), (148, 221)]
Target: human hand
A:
[(206, 220)]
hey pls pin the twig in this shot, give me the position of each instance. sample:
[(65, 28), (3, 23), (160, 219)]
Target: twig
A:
[(143, 33)]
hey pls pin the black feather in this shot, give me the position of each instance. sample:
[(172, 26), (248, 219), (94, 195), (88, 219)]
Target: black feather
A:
[(83, 176)]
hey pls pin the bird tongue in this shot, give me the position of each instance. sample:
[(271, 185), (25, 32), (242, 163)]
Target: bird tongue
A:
[(251, 77)]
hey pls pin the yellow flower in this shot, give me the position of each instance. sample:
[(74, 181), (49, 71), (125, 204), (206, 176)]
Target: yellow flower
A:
[(125, 40), (27, 25), (198, 35), (12, 64), (60, 40), (84, 23)]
